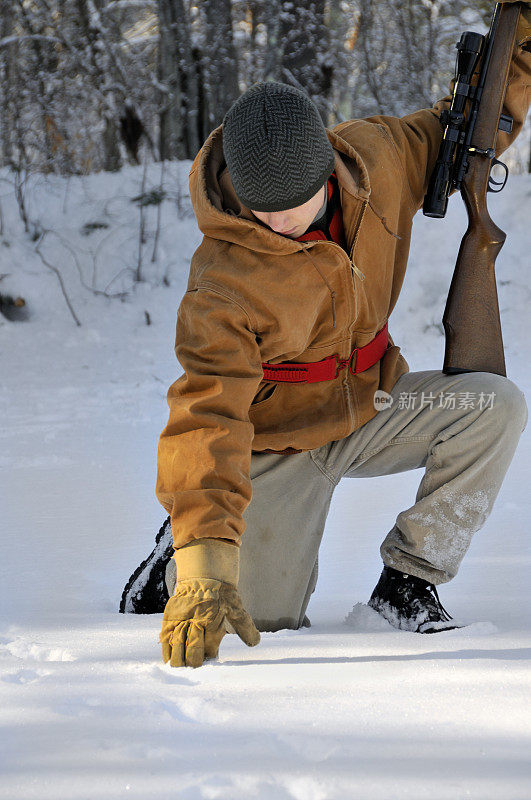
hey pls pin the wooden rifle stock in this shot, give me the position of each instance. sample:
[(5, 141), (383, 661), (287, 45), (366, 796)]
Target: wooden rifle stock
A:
[(472, 318)]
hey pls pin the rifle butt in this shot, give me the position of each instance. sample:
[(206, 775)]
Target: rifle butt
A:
[(471, 319)]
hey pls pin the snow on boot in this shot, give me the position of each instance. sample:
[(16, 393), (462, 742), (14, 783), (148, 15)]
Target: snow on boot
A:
[(410, 603), (145, 592)]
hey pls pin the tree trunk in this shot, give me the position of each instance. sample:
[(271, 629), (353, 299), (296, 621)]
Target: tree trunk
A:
[(298, 48), (274, 52), (220, 63), (104, 70), (7, 65), (112, 157), (179, 129)]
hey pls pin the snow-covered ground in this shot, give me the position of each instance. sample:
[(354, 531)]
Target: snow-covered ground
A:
[(88, 709)]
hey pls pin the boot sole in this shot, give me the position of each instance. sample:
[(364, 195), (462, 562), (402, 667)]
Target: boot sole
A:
[(145, 592)]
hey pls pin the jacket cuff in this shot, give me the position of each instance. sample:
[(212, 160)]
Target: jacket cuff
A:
[(208, 558)]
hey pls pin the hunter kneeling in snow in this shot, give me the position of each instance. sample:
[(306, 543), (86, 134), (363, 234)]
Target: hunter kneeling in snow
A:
[(306, 239)]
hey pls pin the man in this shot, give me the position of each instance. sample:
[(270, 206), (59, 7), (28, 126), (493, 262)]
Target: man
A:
[(306, 239)]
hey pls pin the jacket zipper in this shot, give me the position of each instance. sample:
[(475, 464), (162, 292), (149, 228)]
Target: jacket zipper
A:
[(353, 268)]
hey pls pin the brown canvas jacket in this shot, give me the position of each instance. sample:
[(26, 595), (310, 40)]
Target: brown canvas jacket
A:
[(256, 296)]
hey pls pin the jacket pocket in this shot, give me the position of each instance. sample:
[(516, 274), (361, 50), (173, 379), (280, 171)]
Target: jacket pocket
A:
[(264, 394)]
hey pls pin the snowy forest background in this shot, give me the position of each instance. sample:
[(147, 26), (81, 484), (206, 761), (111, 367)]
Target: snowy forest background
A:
[(98, 86), (88, 85)]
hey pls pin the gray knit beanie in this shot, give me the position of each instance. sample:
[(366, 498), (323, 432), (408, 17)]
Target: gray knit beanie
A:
[(276, 147)]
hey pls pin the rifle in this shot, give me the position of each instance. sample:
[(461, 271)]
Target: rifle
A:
[(466, 156)]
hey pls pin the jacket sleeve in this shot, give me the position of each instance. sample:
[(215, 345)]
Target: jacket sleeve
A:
[(204, 452), (416, 137)]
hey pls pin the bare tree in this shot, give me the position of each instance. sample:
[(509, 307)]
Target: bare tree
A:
[(8, 55), (405, 52), (219, 62), (180, 133)]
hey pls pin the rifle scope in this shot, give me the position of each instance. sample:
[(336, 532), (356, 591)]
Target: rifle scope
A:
[(442, 181)]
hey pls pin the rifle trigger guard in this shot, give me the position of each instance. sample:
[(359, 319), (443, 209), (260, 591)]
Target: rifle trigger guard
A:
[(492, 182)]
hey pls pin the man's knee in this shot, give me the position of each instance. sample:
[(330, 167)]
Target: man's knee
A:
[(509, 401)]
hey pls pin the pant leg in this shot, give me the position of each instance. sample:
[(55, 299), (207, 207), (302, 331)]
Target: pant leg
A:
[(285, 521), (466, 448)]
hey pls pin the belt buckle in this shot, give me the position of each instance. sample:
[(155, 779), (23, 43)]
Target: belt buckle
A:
[(350, 366)]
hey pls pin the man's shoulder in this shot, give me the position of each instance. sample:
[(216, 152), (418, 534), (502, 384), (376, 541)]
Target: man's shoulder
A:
[(372, 143), (360, 132), (226, 269)]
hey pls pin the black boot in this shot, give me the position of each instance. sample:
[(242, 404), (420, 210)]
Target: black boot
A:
[(410, 603), (145, 592)]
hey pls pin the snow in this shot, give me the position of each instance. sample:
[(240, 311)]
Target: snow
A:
[(337, 710)]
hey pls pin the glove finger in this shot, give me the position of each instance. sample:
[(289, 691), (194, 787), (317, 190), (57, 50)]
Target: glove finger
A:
[(195, 645), (166, 651), (178, 644), (213, 639), (242, 623)]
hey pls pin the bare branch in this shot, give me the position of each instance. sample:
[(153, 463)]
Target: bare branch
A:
[(59, 278)]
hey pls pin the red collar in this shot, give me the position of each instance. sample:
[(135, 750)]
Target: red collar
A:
[(334, 230)]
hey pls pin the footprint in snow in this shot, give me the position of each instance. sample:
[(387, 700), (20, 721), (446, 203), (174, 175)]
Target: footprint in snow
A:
[(366, 620), (33, 651)]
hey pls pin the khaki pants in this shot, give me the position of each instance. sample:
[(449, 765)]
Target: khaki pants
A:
[(463, 429)]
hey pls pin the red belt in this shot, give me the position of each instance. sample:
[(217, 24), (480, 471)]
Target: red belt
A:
[(359, 360)]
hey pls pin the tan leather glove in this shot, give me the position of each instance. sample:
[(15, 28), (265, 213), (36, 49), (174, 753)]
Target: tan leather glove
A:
[(205, 597)]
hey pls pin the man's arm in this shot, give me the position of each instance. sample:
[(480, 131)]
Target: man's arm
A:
[(416, 137), (204, 452)]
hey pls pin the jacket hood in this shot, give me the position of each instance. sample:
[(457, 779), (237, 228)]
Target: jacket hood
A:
[(219, 213)]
